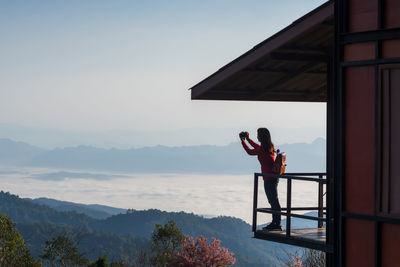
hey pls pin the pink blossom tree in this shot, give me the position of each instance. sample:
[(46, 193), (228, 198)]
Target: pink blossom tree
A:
[(308, 258), (199, 253), (296, 262)]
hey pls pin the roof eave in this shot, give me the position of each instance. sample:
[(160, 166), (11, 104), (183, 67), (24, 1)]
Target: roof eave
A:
[(319, 15)]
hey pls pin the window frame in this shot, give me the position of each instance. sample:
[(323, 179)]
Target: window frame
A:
[(384, 145)]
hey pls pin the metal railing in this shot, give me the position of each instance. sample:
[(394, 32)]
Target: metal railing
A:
[(287, 211)]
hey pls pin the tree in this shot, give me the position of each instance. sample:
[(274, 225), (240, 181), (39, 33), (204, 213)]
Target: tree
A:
[(103, 262), (143, 258), (295, 262), (314, 258), (13, 250), (166, 241), (199, 253), (309, 258), (100, 262), (61, 251)]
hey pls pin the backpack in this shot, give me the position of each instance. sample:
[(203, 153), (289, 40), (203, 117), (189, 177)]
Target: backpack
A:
[(279, 164)]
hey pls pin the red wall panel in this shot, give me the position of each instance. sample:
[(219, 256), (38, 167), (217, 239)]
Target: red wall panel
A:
[(359, 151), (363, 15), (391, 48), (390, 246), (359, 248), (392, 11), (359, 51)]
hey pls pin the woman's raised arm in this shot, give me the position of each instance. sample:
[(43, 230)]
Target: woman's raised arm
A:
[(251, 152), (252, 143)]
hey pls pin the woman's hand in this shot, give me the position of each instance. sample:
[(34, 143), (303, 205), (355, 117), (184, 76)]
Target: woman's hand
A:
[(243, 135)]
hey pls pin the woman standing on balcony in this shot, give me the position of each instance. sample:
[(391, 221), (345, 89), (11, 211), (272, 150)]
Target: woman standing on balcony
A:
[(265, 154)]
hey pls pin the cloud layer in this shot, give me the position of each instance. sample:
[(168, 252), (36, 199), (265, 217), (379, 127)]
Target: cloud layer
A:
[(230, 195)]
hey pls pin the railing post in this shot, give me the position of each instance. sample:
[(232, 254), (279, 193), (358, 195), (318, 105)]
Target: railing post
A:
[(289, 205), (320, 202), (255, 198)]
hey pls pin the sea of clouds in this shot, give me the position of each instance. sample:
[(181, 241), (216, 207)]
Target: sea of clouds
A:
[(208, 195)]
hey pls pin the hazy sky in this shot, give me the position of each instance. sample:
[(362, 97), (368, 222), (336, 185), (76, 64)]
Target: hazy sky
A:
[(128, 65)]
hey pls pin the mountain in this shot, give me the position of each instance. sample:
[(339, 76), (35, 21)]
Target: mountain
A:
[(304, 157), (230, 159), (52, 138), (128, 233), (25, 211), (15, 153), (92, 210)]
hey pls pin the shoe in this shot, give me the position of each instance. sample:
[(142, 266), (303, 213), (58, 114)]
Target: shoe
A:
[(273, 227)]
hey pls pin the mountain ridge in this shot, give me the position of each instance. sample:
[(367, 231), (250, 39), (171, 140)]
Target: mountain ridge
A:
[(93, 210), (229, 159)]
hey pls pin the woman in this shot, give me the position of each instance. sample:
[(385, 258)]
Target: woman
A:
[(266, 157)]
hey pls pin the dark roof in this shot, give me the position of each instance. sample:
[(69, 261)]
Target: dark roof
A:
[(289, 66)]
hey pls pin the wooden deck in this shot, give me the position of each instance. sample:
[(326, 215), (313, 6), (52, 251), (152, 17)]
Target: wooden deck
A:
[(314, 238)]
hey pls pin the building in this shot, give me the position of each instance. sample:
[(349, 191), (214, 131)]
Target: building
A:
[(347, 54)]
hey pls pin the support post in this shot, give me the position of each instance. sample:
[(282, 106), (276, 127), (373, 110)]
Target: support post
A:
[(255, 199), (320, 202), (289, 206)]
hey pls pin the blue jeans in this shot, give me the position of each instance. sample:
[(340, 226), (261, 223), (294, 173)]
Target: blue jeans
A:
[(271, 190)]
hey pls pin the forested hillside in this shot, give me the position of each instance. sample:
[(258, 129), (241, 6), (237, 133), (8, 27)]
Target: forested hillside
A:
[(124, 235)]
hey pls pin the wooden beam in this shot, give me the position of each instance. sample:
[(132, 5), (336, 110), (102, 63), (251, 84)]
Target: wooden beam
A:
[(281, 71), (292, 96), (232, 91), (260, 93), (266, 70), (306, 49), (321, 92), (299, 57)]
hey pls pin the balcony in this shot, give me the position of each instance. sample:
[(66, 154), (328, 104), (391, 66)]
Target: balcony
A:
[(313, 238)]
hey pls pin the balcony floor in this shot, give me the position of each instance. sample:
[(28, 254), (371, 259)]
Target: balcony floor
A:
[(314, 238)]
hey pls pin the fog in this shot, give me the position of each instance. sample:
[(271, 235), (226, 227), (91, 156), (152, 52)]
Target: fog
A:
[(209, 195)]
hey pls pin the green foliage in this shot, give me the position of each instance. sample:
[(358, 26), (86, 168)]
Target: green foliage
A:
[(127, 236), (13, 251), (91, 243), (61, 251), (103, 262), (166, 240), (100, 262)]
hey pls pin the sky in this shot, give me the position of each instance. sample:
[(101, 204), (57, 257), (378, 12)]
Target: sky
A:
[(98, 66)]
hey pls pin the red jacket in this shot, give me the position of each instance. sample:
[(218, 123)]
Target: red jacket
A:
[(266, 159)]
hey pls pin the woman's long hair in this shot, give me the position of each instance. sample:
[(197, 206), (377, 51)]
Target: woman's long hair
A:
[(265, 138)]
